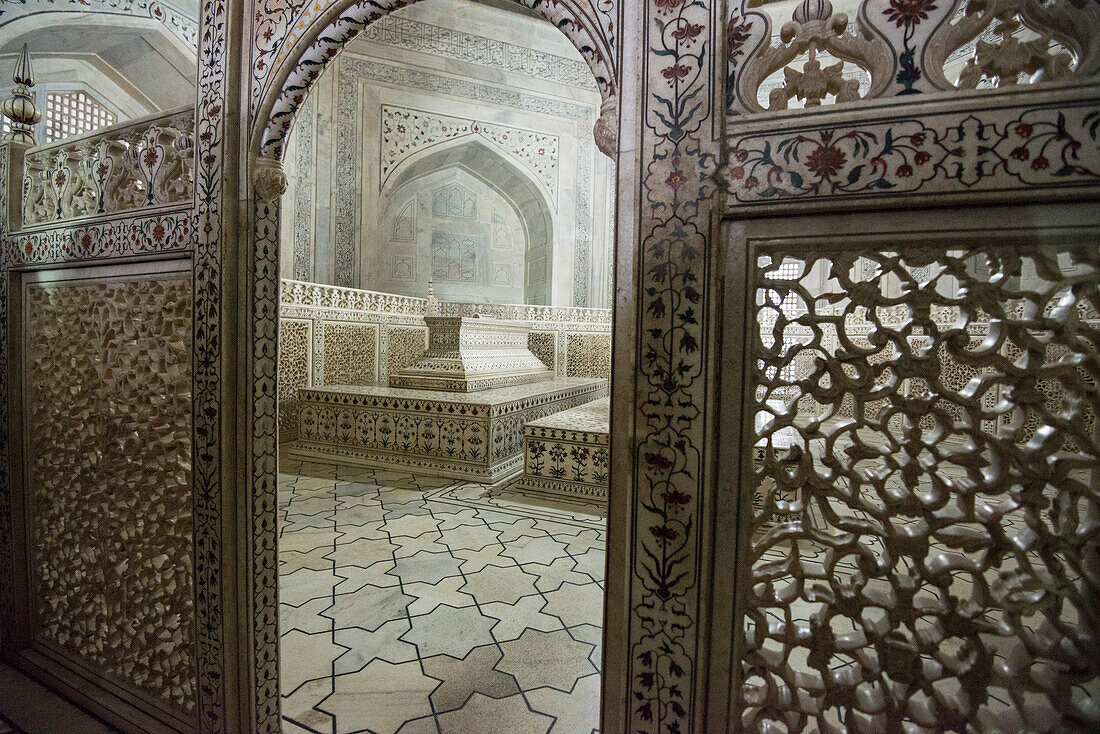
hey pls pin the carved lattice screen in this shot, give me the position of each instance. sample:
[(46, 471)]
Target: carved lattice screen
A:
[(944, 471)]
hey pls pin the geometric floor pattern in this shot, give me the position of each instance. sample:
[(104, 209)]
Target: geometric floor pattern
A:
[(417, 605)]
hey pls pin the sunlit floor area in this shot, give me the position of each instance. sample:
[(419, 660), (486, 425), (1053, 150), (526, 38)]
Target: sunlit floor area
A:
[(419, 605)]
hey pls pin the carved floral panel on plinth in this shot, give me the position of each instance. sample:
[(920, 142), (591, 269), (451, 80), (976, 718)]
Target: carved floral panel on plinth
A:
[(109, 479)]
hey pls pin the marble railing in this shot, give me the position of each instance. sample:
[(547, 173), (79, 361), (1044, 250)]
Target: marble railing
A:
[(142, 164)]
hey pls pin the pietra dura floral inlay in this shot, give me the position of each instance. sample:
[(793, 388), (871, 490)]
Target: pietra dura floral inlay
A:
[(677, 198)]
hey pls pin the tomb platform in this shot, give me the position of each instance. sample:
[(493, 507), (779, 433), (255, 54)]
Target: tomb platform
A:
[(567, 455), (469, 354), (473, 436)]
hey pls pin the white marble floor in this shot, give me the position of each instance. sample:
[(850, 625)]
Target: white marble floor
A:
[(419, 605)]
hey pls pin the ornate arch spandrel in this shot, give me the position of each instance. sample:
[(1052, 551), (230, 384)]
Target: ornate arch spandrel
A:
[(294, 42)]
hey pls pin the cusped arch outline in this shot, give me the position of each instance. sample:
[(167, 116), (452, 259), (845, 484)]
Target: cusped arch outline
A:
[(293, 67)]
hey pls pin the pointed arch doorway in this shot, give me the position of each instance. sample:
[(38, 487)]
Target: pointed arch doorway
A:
[(276, 111)]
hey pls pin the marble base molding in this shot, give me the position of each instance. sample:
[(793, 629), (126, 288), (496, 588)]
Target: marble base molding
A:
[(476, 437), (566, 455)]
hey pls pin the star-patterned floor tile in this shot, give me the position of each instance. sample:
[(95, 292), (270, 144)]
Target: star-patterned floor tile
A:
[(370, 607), (450, 631), (577, 712), (411, 606), (384, 643), (490, 555), (380, 698), (429, 596), (424, 567), (515, 618), (486, 715), (539, 659), (305, 657), (499, 584), (575, 605), (534, 550), (463, 677)]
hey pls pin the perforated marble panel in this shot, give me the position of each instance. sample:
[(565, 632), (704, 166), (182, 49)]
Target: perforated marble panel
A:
[(541, 344), (350, 354), (588, 355), (406, 345), (938, 578), (295, 344), (108, 388)]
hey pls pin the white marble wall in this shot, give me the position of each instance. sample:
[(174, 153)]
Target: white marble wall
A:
[(510, 83)]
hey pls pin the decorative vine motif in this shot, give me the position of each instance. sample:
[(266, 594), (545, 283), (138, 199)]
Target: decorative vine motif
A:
[(940, 541), (263, 494), (207, 370), (679, 158), (9, 633), (1042, 147), (282, 26), (406, 131), (168, 232)]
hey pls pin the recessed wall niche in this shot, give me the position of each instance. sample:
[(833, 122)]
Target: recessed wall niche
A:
[(461, 233)]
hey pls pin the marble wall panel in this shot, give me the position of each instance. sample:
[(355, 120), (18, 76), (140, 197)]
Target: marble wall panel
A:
[(295, 349), (350, 354), (588, 355), (108, 466)]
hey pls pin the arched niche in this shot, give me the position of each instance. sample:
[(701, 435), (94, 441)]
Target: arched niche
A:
[(497, 189)]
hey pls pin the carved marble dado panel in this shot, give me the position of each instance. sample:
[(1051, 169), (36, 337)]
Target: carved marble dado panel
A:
[(406, 131), (295, 373), (108, 390), (350, 353), (567, 454), (937, 489), (474, 436)]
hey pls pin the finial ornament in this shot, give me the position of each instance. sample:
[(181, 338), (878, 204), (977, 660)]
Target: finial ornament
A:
[(433, 305), (20, 107)]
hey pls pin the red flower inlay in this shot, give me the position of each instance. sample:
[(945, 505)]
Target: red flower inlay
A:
[(1023, 130), (1039, 164), (917, 139), (905, 170), (676, 178), (922, 157), (1021, 153), (826, 161), (687, 31), (676, 72), (909, 12)]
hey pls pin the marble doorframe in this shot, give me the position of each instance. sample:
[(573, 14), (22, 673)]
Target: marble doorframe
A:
[(665, 116)]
